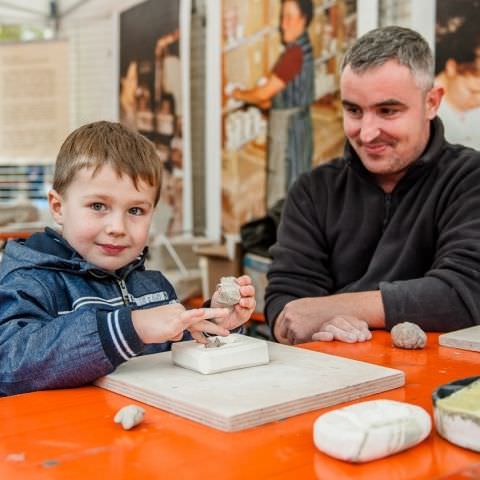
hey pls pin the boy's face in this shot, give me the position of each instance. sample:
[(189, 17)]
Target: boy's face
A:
[(104, 217)]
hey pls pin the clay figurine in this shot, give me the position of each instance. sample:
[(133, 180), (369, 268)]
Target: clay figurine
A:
[(228, 291)]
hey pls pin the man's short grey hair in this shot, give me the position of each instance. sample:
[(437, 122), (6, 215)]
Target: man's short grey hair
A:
[(381, 45)]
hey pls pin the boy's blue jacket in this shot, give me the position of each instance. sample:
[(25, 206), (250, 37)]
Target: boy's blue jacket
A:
[(64, 322)]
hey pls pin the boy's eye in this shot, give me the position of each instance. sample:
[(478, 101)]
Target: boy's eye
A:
[(136, 211), (97, 206)]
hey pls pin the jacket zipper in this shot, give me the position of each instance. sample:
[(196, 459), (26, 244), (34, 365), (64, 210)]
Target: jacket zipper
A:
[(388, 206), (127, 298)]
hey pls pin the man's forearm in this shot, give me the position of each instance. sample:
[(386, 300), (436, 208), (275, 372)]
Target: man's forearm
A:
[(311, 312), (366, 306)]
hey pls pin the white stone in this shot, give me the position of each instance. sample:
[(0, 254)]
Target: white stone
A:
[(370, 430), (235, 351), (408, 335), (129, 416)]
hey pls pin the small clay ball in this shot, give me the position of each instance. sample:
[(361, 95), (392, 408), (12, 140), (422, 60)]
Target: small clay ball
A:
[(408, 335), (129, 416), (228, 291)]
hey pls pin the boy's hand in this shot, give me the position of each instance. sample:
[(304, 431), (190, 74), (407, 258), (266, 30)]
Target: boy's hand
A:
[(168, 322), (242, 311)]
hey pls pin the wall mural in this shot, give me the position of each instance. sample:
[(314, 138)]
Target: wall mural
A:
[(457, 68), (151, 99), (252, 44)]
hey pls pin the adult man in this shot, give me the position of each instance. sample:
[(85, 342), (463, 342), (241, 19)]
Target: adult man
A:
[(390, 232)]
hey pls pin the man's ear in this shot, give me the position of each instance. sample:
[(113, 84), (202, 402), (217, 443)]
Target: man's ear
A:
[(433, 99), (55, 202)]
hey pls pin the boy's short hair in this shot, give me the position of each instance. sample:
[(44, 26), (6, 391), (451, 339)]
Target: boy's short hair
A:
[(107, 143)]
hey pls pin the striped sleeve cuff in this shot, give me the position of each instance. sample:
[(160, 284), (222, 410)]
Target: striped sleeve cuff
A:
[(118, 336)]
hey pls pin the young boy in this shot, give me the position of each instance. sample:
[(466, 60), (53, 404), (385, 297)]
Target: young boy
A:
[(74, 305)]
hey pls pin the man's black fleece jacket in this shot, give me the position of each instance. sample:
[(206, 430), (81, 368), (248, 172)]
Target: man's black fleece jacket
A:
[(419, 245)]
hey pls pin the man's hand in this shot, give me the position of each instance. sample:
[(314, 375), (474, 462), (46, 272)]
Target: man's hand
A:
[(299, 320), (242, 311), (345, 317), (344, 328), (168, 322)]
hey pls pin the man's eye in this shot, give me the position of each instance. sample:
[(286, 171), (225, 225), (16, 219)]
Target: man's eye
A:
[(136, 211), (97, 206), (353, 111), (388, 112)]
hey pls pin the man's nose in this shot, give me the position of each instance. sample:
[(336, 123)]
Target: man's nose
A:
[(369, 129)]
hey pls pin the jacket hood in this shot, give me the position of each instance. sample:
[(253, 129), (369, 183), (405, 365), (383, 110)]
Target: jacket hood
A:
[(49, 250), (427, 159)]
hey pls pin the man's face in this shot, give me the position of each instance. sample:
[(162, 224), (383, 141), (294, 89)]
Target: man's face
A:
[(386, 118), (104, 217), (292, 23)]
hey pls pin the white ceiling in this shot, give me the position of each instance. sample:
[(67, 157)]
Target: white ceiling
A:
[(38, 11)]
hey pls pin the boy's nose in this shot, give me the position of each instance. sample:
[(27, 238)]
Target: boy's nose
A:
[(115, 225)]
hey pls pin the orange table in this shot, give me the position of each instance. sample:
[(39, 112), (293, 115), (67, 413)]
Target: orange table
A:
[(10, 233), (69, 434), (13, 235)]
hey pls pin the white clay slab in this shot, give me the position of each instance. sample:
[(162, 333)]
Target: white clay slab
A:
[(295, 381), (369, 430), (235, 351), (466, 339)]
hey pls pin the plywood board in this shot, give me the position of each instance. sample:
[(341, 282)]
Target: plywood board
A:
[(466, 339), (295, 381)]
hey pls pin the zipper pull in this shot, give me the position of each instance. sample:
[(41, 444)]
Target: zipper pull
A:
[(127, 298)]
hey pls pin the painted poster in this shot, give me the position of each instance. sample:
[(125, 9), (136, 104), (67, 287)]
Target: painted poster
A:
[(34, 112), (154, 96), (34, 122), (266, 145), (457, 68)]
